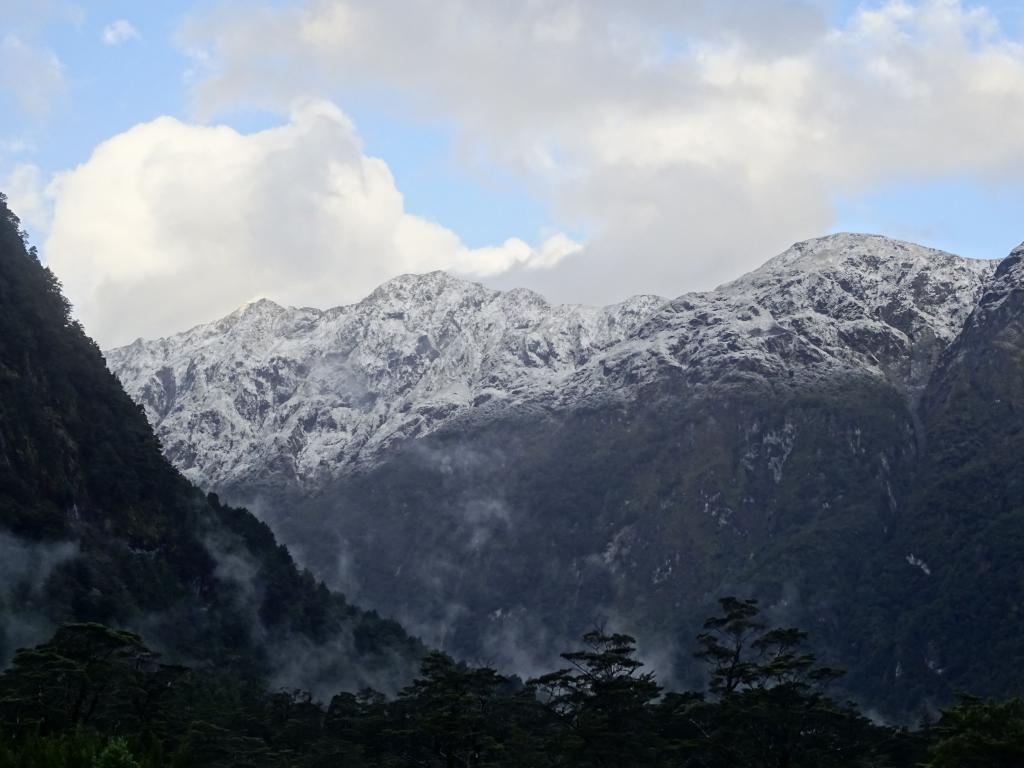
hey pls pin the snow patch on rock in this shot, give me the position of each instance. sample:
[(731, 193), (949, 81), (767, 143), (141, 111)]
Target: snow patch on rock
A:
[(301, 395)]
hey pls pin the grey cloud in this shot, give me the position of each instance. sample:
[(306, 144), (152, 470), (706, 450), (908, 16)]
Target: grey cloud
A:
[(25, 567), (687, 139)]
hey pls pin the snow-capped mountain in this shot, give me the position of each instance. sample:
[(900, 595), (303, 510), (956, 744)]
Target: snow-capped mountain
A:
[(843, 304), (303, 395), (497, 472), (311, 393)]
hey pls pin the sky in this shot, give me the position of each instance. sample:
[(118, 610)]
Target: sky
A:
[(174, 160)]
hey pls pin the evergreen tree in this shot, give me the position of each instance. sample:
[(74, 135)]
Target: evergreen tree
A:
[(450, 710), (116, 755), (771, 710), (726, 645), (603, 701), (87, 675), (980, 734)]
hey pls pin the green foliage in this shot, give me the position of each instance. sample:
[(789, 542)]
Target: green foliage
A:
[(116, 755), (86, 676), (979, 734), (451, 710), (725, 645), (603, 701), (742, 654), (601, 710), (771, 708), (72, 749)]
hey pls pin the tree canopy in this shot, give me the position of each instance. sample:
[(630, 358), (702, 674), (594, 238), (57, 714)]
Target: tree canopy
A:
[(96, 696)]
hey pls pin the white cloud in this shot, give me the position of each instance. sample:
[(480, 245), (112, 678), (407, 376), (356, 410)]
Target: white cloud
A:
[(16, 146), (38, 13), (120, 31), (32, 75), (25, 187), (689, 138), (170, 224)]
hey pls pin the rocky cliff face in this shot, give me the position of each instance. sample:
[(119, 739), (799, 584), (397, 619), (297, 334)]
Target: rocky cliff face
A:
[(963, 524), (499, 473), (300, 395)]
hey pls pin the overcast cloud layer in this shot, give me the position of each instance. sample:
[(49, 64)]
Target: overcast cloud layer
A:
[(689, 140)]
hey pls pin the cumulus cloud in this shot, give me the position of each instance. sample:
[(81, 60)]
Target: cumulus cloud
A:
[(120, 31), (25, 187), (33, 76), (169, 224), (690, 139)]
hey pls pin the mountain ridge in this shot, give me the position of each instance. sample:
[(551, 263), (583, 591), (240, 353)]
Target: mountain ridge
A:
[(498, 492), (515, 325), (516, 348)]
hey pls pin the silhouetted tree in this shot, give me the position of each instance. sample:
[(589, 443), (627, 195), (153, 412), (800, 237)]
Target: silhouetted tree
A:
[(451, 710), (603, 700), (979, 734), (771, 710)]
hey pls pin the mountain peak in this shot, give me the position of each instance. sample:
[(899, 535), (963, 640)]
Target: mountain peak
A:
[(881, 275), (423, 286), (1009, 275), (260, 306), (850, 247), (327, 389), (1015, 258)]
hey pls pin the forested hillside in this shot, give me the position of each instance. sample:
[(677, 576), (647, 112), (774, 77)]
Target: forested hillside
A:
[(96, 526), (92, 696)]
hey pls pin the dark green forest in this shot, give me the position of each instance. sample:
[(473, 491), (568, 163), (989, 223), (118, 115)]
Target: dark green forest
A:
[(94, 696), (95, 525)]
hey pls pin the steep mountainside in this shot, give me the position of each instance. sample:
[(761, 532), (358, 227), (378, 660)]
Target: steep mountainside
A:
[(764, 437), (964, 528), (96, 525)]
